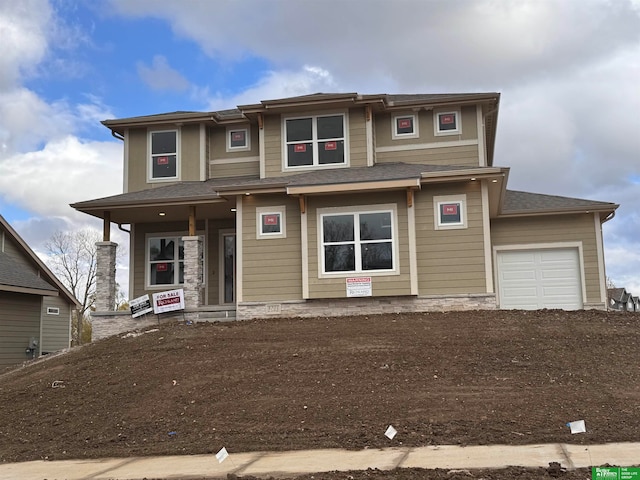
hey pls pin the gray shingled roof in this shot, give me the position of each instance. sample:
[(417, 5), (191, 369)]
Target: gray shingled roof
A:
[(516, 202), (13, 274)]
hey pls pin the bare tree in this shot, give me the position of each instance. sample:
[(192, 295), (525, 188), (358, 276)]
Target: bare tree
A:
[(72, 257)]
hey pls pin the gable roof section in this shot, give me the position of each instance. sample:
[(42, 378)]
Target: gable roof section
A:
[(46, 275), (518, 203), (15, 278)]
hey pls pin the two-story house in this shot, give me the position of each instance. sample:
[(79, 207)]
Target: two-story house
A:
[(329, 204)]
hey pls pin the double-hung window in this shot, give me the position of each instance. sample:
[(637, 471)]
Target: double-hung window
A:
[(357, 242), (164, 155), (315, 141), (165, 261)]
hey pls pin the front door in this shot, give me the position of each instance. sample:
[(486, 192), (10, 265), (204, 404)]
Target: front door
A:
[(228, 267)]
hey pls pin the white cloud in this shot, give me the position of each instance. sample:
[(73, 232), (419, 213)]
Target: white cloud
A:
[(65, 171), (161, 76)]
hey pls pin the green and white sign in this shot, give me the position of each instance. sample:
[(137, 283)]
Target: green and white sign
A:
[(615, 473)]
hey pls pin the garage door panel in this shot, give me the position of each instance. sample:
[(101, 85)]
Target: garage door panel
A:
[(544, 278)]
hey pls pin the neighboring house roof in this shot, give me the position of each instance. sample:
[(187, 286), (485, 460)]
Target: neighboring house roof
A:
[(14, 277), (516, 202), (46, 275), (616, 294)]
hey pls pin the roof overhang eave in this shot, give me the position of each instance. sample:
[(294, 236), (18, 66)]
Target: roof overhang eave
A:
[(28, 290), (349, 187), (559, 211)]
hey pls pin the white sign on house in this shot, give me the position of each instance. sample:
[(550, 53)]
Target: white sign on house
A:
[(359, 287), (168, 301), (139, 306)]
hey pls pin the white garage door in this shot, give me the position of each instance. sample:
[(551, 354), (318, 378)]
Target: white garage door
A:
[(545, 278)]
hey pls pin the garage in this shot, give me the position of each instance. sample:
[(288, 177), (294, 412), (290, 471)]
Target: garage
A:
[(539, 278)]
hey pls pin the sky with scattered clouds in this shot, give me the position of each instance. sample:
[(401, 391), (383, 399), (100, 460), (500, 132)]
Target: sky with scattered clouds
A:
[(568, 72)]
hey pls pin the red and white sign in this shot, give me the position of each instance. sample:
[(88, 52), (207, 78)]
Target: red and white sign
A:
[(163, 160), (359, 287), (300, 148), (162, 267), (168, 301), (331, 146), (271, 219), (237, 136), (447, 119), (404, 123), (450, 209)]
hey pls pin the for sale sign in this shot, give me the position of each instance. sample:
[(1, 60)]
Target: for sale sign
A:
[(168, 301), (359, 287)]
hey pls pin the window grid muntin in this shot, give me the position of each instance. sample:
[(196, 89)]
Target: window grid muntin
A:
[(176, 260), (314, 141)]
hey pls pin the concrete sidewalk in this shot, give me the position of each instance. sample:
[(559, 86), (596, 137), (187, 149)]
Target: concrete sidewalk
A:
[(264, 464)]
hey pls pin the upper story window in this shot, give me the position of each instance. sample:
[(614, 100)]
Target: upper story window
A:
[(404, 126), (357, 241), (447, 123), (271, 222), (315, 141), (450, 212), (238, 139), (164, 155)]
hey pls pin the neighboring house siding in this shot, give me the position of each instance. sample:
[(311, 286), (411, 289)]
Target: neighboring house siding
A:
[(554, 229), (19, 322), (271, 268), (382, 285), (55, 328), (450, 261)]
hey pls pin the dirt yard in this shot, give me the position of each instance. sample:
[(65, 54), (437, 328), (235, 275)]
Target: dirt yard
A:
[(464, 378)]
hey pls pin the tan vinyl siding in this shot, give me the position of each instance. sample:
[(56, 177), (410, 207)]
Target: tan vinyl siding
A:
[(383, 132), (554, 229), (450, 261), (357, 138), (138, 145), (272, 268), (55, 328), (453, 155), (231, 168), (189, 153), (19, 322), (273, 145), (382, 285)]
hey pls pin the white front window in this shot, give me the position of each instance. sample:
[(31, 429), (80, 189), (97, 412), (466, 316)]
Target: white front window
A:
[(165, 261), (450, 212), (271, 222), (404, 126), (238, 139), (358, 242), (164, 160), (447, 123), (315, 141)]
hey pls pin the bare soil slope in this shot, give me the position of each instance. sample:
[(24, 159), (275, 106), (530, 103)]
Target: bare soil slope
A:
[(505, 377)]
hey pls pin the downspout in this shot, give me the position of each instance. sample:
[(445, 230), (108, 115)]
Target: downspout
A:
[(608, 217), (115, 134)]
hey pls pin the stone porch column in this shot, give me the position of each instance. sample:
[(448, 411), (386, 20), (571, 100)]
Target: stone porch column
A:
[(105, 276), (193, 272)]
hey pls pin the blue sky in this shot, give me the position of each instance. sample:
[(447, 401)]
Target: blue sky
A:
[(568, 72)]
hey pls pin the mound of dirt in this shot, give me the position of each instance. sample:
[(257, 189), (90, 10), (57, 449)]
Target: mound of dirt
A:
[(482, 377)]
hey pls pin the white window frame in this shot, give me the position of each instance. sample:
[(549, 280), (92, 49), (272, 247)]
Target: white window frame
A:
[(280, 210), (247, 137), (436, 123), (150, 177), (147, 262), (314, 141), (461, 200), (394, 127), (358, 210), (53, 311)]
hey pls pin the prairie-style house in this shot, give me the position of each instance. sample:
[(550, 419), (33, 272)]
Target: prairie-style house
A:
[(329, 204), (35, 307)]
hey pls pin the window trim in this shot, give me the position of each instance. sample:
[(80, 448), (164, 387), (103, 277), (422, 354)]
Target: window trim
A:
[(150, 177), (247, 136), (359, 209), (278, 210), (461, 200), (436, 123), (53, 311), (394, 127), (314, 140)]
